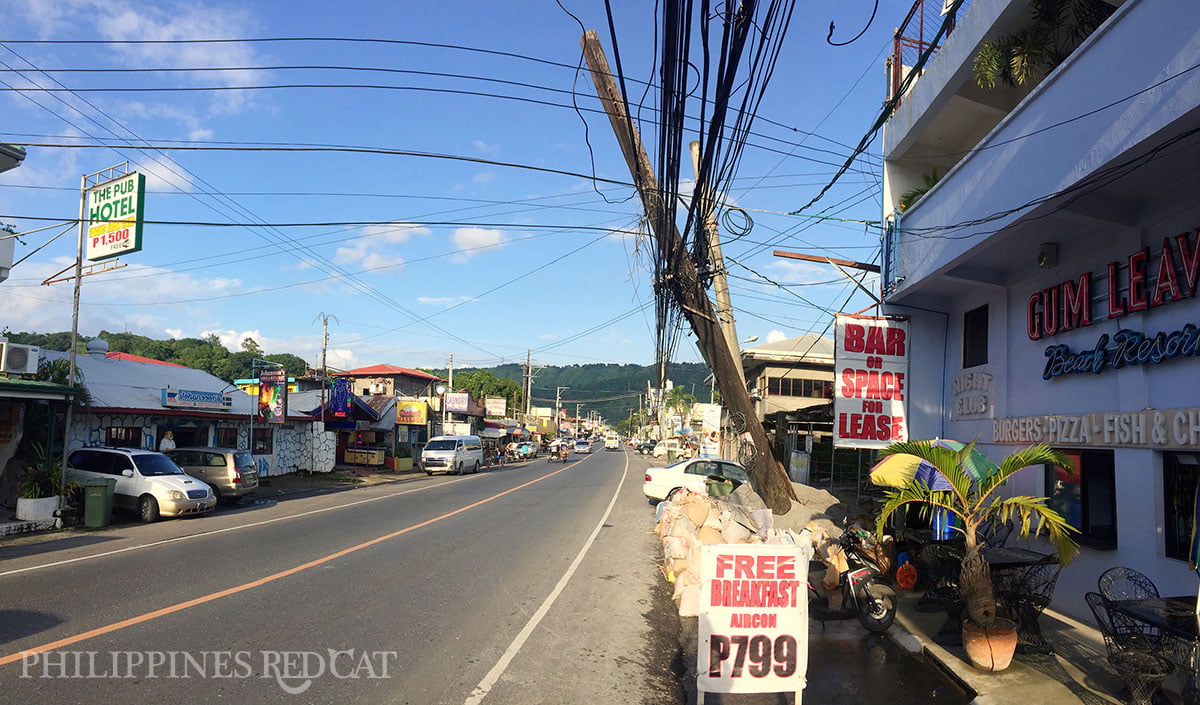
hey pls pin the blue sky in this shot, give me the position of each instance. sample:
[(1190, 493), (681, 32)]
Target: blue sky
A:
[(527, 260)]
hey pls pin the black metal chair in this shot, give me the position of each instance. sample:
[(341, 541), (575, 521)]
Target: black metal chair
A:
[(945, 560), (1121, 583), (1132, 651), (994, 532), (1027, 597)]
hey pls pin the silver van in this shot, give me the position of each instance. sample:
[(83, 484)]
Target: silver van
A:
[(230, 471), (452, 454)]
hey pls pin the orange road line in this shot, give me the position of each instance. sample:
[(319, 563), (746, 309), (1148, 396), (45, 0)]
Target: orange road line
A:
[(178, 607)]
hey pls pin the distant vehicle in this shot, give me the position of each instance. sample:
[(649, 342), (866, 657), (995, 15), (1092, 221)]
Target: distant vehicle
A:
[(646, 447), (583, 446), (230, 472), (147, 482), (690, 474), (664, 446), (612, 443), (452, 454)]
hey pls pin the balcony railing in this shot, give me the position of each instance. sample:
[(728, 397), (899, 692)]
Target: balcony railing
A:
[(917, 34)]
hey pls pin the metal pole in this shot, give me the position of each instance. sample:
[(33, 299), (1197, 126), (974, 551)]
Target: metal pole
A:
[(62, 488)]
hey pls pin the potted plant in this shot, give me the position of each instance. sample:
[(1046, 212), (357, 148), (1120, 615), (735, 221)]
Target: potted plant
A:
[(39, 486), (974, 502)]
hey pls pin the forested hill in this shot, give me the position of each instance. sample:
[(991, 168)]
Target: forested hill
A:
[(610, 389)]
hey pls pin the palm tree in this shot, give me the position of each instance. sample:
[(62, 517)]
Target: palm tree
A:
[(976, 502), (678, 399)]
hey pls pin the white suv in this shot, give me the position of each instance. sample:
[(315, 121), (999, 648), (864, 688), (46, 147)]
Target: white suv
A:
[(147, 482)]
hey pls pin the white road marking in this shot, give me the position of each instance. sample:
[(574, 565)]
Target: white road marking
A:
[(485, 686), (225, 530)]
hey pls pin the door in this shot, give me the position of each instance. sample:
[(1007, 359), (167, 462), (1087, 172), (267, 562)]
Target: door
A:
[(128, 489)]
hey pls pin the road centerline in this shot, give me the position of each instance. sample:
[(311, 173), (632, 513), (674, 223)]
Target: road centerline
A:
[(178, 607)]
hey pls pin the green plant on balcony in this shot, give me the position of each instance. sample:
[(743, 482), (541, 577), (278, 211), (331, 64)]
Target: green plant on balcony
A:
[(1058, 28), (912, 195)]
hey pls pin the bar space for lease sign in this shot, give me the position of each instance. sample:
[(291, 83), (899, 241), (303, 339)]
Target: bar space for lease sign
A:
[(870, 394)]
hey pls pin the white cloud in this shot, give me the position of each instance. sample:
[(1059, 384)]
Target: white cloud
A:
[(800, 272), (341, 358), (175, 333), (548, 336), (233, 339), (371, 249), (446, 301), (484, 177), (186, 21), (470, 241), (482, 147), (122, 300), (775, 336), (164, 173)]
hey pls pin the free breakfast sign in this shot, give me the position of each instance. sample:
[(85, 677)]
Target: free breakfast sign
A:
[(114, 214), (869, 393), (753, 624)]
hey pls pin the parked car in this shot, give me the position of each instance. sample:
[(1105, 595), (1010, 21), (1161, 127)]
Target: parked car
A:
[(660, 482), (646, 447), (665, 445), (452, 454), (147, 482), (230, 472)]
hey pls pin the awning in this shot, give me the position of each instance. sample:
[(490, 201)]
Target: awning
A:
[(492, 433)]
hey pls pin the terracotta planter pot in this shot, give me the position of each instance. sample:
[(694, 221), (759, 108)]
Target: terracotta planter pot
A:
[(990, 649)]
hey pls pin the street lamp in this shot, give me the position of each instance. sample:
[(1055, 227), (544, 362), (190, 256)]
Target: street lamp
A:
[(441, 392)]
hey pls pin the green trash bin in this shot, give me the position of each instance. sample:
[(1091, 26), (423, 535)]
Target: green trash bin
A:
[(98, 502), (670, 455), (718, 486)]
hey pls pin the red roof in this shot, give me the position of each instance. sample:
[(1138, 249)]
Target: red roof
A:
[(386, 370), (130, 357)]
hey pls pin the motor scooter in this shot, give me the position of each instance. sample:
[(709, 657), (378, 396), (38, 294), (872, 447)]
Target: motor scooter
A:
[(871, 602)]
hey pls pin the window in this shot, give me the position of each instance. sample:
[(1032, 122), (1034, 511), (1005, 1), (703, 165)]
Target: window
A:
[(123, 436), (227, 438), (789, 387), (1181, 472), (975, 337), (1085, 494), (263, 441)]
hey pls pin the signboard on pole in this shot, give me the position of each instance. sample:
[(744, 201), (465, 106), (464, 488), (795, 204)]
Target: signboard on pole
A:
[(495, 406), (753, 618), (870, 397), (458, 402), (272, 395), (114, 213)]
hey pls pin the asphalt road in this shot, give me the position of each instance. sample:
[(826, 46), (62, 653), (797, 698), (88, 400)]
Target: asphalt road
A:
[(531, 584)]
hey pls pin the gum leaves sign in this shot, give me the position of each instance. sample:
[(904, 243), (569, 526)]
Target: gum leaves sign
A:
[(871, 381), (114, 213), (753, 624)]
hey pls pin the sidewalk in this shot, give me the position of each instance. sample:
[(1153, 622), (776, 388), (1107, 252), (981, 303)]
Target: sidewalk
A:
[(1077, 672)]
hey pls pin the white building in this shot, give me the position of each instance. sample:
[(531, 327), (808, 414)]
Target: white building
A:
[(135, 401), (1051, 274)]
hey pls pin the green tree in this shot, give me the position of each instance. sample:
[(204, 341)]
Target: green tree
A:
[(482, 384), (678, 400), (250, 345)]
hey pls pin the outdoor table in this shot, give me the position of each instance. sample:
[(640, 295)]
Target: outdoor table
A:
[(1009, 566), (1179, 627)]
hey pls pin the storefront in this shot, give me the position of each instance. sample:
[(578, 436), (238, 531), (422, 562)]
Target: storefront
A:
[(1050, 277), (136, 402)]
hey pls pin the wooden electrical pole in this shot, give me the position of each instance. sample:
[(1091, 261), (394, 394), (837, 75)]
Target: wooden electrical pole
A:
[(770, 480)]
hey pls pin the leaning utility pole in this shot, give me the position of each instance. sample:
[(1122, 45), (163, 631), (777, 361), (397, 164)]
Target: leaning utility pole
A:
[(717, 264), (770, 480)]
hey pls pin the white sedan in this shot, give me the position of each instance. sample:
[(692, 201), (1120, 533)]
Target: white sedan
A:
[(690, 474)]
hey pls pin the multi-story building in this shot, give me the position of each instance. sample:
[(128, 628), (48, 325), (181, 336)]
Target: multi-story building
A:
[(1050, 275), (786, 379)]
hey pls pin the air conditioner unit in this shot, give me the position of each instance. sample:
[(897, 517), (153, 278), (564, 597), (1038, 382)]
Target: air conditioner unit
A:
[(18, 359)]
